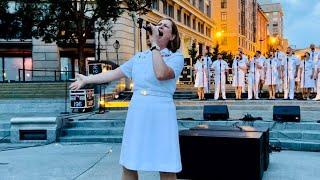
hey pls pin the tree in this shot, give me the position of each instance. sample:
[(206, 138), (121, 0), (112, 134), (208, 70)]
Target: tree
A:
[(17, 18), (8, 22), (193, 52), (215, 52), (70, 23), (227, 56)]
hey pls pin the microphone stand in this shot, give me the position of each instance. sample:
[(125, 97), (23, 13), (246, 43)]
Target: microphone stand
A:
[(140, 21)]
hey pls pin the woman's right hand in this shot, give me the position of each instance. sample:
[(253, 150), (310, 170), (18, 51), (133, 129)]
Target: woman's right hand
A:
[(79, 83)]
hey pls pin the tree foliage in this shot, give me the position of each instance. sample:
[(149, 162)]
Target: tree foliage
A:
[(69, 23), (193, 52)]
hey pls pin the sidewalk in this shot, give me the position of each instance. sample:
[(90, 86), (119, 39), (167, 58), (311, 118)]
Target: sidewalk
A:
[(100, 162)]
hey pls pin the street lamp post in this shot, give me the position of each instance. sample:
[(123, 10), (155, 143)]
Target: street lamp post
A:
[(116, 46)]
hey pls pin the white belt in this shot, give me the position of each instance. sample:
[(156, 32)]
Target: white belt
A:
[(145, 92)]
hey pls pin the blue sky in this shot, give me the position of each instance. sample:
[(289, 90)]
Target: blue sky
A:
[(301, 22)]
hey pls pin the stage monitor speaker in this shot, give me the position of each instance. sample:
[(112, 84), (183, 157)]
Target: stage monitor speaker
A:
[(263, 130), (225, 155), (215, 112), (286, 113)]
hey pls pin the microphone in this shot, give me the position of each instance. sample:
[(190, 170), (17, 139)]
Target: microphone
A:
[(148, 28)]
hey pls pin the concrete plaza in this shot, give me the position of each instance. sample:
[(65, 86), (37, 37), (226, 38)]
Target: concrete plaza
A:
[(99, 161)]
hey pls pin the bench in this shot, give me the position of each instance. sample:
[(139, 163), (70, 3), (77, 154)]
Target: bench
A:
[(35, 129)]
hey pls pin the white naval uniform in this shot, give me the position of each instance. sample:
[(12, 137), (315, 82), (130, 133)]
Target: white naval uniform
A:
[(261, 71), (306, 68), (150, 138), (207, 63), (315, 56), (238, 74), (272, 71), (245, 58), (219, 67), (201, 75), (289, 70), (280, 56), (318, 80), (254, 77)]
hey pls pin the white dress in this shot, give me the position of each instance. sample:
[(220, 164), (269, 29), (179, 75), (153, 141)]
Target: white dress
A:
[(201, 75), (238, 73), (207, 63), (306, 68), (272, 71), (150, 139)]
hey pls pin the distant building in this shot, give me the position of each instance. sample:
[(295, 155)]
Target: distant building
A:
[(238, 22), (275, 15)]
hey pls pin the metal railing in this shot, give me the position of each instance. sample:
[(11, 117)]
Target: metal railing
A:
[(42, 75)]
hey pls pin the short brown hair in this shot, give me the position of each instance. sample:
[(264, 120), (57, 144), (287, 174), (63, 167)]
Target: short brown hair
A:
[(173, 45)]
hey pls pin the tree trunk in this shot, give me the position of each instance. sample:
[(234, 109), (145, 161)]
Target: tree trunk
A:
[(82, 61)]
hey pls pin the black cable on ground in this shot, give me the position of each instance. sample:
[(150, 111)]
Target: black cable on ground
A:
[(103, 156)]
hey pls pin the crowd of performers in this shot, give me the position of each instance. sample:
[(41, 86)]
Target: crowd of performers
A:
[(281, 72)]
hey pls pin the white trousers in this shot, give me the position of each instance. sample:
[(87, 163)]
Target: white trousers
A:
[(217, 87), (253, 86), (288, 88), (318, 86)]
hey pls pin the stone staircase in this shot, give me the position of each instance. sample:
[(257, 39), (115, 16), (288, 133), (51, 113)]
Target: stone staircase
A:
[(93, 131), (32, 90), (4, 132), (304, 136)]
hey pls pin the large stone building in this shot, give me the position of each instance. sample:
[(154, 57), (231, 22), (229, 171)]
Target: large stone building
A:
[(275, 15), (194, 20), (240, 24)]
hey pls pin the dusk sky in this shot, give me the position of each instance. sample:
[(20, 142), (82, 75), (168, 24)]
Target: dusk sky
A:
[(301, 22)]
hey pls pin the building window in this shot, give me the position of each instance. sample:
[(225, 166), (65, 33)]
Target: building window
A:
[(202, 28), (171, 11), (224, 27), (208, 31), (179, 15), (224, 41), (199, 27), (201, 5), (223, 4), (223, 16), (187, 20), (165, 8), (155, 5), (194, 24), (208, 11)]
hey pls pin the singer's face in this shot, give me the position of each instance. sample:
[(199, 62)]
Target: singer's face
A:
[(165, 26)]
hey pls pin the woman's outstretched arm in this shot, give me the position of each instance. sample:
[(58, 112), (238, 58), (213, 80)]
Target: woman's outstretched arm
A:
[(100, 78)]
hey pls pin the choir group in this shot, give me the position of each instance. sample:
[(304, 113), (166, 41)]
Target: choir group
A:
[(281, 72)]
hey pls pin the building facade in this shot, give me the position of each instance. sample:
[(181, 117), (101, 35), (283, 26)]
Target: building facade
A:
[(275, 15), (237, 25), (262, 31), (193, 18), (47, 62)]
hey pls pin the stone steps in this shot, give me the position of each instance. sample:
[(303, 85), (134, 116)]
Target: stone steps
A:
[(4, 125), (102, 138), (304, 136), (296, 145), (92, 131), (4, 132), (32, 90)]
